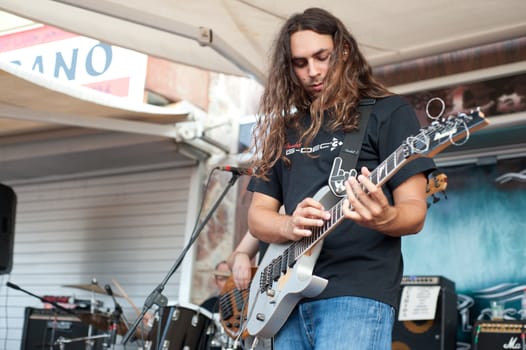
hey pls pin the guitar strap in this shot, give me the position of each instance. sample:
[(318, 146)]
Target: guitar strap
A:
[(350, 151)]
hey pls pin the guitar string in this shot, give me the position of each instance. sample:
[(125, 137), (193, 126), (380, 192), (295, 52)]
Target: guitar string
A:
[(225, 301)]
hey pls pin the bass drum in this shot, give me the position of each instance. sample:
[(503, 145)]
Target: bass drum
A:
[(182, 326)]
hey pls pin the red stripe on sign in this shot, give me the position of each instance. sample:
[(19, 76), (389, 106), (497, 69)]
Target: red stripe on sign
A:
[(32, 37), (116, 87)]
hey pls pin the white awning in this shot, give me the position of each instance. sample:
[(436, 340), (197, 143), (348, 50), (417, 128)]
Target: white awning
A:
[(33, 102), (234, 36), (49, 128)]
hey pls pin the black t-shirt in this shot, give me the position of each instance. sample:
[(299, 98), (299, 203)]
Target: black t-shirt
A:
[(356, 261)]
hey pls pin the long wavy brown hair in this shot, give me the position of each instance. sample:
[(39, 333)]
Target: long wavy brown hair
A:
[(285, 101)]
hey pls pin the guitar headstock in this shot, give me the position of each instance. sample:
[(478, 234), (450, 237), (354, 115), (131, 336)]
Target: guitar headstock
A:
[(441, 133), (437, 183)]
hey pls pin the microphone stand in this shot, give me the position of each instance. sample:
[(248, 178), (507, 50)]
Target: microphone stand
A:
[(116, 316), (58, 306), (115, 319), (55, 304), (156, 296)]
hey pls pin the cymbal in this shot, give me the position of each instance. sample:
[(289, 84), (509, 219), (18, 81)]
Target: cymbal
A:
[(95, 288), (101, 321)]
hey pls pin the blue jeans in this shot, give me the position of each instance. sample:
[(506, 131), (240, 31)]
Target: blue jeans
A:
[(342, 323)]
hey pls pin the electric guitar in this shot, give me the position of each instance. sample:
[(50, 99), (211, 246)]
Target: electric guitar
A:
[(284, 275), (233, 302), (233, 308)]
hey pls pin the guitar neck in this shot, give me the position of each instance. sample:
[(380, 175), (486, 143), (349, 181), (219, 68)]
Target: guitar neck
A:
[(378, 176)]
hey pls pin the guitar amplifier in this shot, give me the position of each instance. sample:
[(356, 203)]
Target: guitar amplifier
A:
[(43, 327), (499, 335), (436, 334)]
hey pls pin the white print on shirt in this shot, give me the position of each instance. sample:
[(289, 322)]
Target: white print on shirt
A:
[(338, 177), (291, 149)]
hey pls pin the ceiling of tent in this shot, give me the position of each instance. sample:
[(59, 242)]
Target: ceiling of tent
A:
[(234, 36)]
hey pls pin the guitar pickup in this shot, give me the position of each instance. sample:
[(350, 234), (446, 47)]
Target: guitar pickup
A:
[(284, 261), (276, 268), (265, 280)]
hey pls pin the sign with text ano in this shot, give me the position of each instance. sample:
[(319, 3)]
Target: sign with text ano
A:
[(80, 60)]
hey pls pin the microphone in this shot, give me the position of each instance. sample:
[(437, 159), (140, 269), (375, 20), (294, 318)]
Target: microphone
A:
[(12, 285), (236, 170)]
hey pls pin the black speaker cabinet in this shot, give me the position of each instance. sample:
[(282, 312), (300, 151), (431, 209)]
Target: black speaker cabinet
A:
[(498, 335), (7, 228), (436, 334), (43, 327)]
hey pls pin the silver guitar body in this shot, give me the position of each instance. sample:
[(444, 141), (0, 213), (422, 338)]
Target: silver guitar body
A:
[(271, 302)]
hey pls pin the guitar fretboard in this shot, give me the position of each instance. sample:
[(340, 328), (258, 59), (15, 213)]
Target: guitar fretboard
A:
[(378, 176)]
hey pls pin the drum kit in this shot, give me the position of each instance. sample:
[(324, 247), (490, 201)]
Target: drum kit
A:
[(111, 324), (176, 327), (188, 327)]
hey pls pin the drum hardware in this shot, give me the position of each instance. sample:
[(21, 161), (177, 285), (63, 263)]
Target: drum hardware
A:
[(101, 321), (176, 315), (254, 343), (93, 287), (141, 332), (61, 341), (110, 323), (89, 339), (90, 287), (186, 322), (211, 329), (114, 323)]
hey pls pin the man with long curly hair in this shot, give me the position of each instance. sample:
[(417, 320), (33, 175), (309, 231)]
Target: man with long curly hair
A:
[(317, 78)]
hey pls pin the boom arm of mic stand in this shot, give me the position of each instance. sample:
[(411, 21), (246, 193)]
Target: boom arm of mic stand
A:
[(58, 306), (156, 297)]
